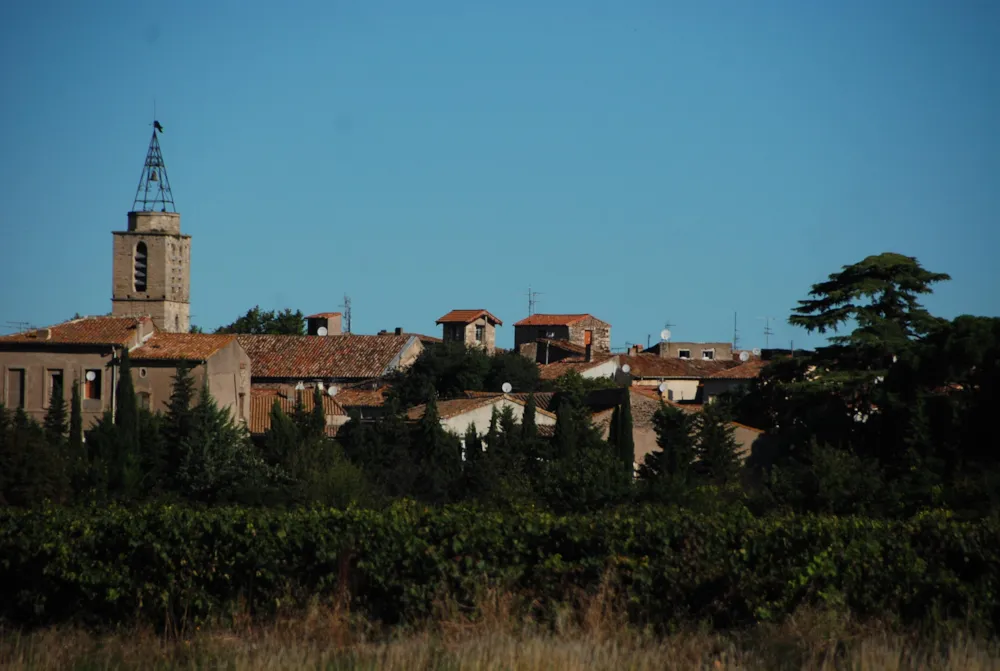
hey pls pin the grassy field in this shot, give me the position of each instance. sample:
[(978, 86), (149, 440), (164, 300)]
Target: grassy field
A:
[(590, 638)]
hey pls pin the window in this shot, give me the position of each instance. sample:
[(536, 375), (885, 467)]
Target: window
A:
[(143, 372), (708, 354), (457, 332), (140, 267), (144, 399), (480, 332), (15, 388), (92, 384), (55, 383), (684, 354)]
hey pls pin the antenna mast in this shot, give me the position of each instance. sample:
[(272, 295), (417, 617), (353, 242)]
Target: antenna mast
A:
[(154, 194), (347, 313), (768, 332), (532, 300), (736, 333)]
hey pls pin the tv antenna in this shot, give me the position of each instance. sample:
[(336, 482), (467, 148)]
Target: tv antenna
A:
[(736, 332), (768, 332), (347, 313), (532, 300)]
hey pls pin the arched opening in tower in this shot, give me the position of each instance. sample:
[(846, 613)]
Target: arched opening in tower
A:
[(140, 267)]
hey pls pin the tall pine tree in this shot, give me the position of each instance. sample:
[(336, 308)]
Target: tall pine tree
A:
[(672, 464), (55, 415), (717, 455), (178, 423), (625, 441), (438, 455), (76, 422)]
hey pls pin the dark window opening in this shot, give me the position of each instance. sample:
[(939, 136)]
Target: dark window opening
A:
[(480, 332), (140, 267), (144, 399), (55, 383), (684, 354), (708, 354)]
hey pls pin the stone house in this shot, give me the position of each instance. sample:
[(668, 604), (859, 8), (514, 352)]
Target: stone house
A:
[(681, 378), (288, 361), (580, 330), (262, 400), (460, 413), (703, 351), (731, 379), (476, 328), (82, 350), (218, 360), (89, 351)]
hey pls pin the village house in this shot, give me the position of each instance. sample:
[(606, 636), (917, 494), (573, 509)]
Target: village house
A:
[(597, 365), (262, 401), (582, 330), (681, 379), (458, 414), (731, 379), (88, 351), (475, 328)]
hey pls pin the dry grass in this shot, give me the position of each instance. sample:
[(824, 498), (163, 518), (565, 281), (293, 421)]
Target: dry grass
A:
[(592, 636)]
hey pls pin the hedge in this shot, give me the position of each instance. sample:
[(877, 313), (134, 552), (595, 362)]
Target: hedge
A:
[(163, 562)]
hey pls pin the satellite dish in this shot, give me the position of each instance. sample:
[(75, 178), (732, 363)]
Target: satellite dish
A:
[(626, 368), (299, 387), (321, 331), (665, 334), (662, 387), (756, 351), (331, 390), (91, 376), (550, 334), (744, 355), (506, 387)]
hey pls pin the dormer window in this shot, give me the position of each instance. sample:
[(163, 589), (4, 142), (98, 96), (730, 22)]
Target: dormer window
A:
[(140, 267)]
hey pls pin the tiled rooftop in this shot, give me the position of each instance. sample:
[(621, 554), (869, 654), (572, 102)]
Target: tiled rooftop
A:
[(84, 331), (459, 406), (744, 371), (554, 371), (182, 346), (563, 345), (261, 401), (648, 365), (551, 320), (467, 317), (340, 356), (543, 399)]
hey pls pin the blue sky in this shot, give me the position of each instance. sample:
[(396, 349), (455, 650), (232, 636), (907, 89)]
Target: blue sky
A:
[(642, 161)]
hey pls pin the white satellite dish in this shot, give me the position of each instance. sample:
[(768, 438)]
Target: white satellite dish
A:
[(756, 351), (331, 390), (662, 387), (506, 387), (91, 376), (321, 331), (626, 368), (299, 387), (744, 355), (665, 334)]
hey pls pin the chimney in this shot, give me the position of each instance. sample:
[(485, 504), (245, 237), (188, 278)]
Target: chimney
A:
[(590, 352), (399, 330), (328, 321)]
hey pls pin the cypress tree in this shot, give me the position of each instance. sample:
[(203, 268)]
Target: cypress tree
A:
[(281, 438), (473, 447), (675, 437), (300, 416), (179, 420), (317, 417), (529, 430), (55, 416), (439, 457), (76, 422), (625, 440), (717, 446), (127, 413)]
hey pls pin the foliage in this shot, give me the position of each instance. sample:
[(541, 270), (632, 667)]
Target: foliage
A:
[(438, 457), (270, 322), (168, 564), (671, 466), (717, 456), (55, 416)]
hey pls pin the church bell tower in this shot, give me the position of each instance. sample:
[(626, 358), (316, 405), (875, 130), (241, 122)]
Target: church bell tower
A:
[(152, 259)]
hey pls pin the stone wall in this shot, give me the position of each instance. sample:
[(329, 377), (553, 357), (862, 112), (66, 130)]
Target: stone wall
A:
[(600, 330)]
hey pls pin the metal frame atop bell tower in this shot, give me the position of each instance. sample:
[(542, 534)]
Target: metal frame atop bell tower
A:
[(153, 194)]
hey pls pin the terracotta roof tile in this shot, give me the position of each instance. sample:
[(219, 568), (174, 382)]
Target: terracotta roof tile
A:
[(648, 365), (261, 401), (340, 356), (551, 320), (554, 371), (543, 399), (324, 315), (84, 331), (563, 344), (745, 371), (467, 317), (182, 346), (362, 398)]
